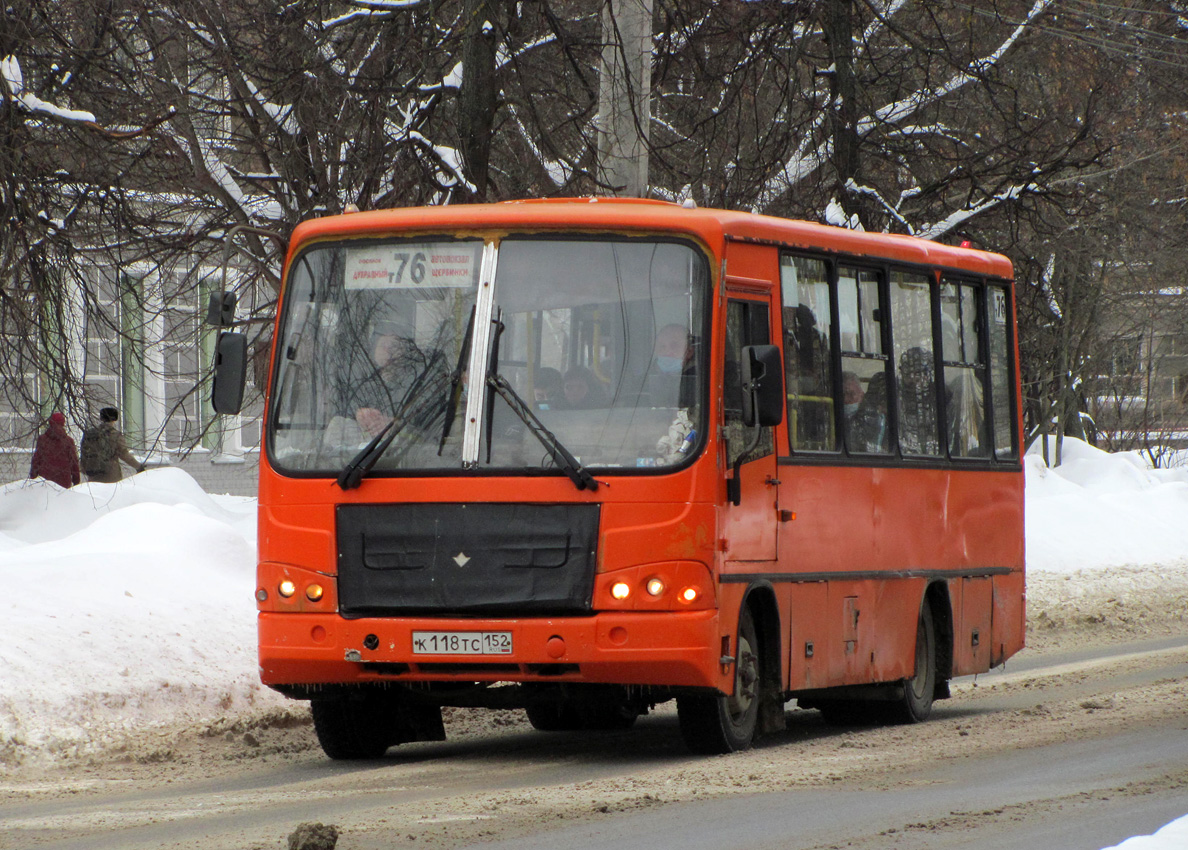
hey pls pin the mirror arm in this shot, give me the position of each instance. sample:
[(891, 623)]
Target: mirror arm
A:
[(734, 483)]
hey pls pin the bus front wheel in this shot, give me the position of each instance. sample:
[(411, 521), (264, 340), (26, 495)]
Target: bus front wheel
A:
[(569, 715), (718, 724), (363, 724)]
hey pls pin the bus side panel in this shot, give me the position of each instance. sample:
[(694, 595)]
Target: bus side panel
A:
[(872, 630), (971, 634), (807, 624), (1009, 626), (880, 531), (856, 519)]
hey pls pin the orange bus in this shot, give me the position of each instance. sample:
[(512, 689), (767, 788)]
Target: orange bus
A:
[(582, 457)]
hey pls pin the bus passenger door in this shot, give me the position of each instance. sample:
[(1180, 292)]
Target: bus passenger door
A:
[(749, 528)]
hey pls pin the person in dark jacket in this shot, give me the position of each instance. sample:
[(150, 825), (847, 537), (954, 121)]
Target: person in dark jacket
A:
[(103, 448), (55, 457)]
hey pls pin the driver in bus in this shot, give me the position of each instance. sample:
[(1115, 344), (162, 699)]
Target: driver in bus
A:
[(377, 396), (368, 404)]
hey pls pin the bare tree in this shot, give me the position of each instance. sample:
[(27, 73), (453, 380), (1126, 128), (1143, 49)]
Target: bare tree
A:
[(136, 134)]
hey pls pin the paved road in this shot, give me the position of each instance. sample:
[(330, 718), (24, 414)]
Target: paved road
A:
[(1088, 782)]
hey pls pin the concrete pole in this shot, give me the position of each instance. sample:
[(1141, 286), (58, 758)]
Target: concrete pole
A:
[(625, 89)]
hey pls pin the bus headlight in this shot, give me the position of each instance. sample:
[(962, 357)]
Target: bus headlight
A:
[(286, 588), (656, 586)]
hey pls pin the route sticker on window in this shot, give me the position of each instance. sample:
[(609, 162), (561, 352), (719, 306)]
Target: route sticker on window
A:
[(412, 266)]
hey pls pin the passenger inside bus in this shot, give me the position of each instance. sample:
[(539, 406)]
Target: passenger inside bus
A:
[(810, 398), (548, 388), (583, 390), (867, 428), (671, 379), (967, 423), (852, 394), (917, 403)]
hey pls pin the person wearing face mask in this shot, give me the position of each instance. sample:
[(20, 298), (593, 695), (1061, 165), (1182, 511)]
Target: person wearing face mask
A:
[(866, 429), (851, 393), (671, 379)]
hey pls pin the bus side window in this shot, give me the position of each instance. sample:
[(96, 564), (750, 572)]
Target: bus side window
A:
[(1000, 373), (746, 324), (911, 326), (965, 400), (864, 361), (808, 325)]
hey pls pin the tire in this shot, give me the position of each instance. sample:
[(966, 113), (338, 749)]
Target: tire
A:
[(609, 716), (568, 716), (716, 724), (919, 690), (553, 716), (362, 725)]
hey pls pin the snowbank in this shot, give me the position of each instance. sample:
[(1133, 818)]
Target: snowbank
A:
[(129, 605), (1099, 511)]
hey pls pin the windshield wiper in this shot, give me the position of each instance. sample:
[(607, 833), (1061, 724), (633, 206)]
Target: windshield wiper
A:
[(356, 470), (578, 474), (353, 473), (455, 382)]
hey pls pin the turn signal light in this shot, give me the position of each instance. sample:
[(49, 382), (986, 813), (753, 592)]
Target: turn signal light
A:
[(314, 592), (620, 590), (689, 594), (655, 586), (286, 588)]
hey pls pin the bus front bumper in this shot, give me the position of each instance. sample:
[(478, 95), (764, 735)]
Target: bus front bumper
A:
[(674, 649)]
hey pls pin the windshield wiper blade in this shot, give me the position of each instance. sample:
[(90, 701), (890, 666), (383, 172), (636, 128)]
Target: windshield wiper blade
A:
[(578, 474), (357, 468)]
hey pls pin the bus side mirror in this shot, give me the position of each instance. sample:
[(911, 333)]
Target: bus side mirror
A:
[(763, 386), (230, 372)]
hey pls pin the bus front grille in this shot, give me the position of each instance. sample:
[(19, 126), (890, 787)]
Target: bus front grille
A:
[(466, 559)]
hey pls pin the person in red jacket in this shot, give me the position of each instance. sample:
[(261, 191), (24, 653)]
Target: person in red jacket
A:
[(55, 457)]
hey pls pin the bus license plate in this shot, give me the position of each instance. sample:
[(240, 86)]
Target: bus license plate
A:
[(462, 643)]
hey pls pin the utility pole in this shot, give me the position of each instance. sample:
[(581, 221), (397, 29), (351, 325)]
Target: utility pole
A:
[(625, 88)]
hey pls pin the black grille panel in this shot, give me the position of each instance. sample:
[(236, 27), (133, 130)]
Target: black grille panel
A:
[(466, 559)]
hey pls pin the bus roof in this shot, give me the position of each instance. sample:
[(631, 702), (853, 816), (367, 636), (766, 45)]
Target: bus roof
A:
[(714, 227)]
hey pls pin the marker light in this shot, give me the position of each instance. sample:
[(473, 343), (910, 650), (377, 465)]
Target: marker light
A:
[(620, 590), (286, 588), (262, 595), (314, 592), (655, 586), (689, 594)]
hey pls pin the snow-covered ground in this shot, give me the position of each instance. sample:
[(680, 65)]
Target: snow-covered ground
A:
[(131, 604)]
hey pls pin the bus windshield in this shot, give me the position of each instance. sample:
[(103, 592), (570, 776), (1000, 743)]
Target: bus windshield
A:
[(602, 340)]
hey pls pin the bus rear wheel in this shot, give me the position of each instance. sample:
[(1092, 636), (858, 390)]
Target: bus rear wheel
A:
[(919, 690), (717, 724), (364, 724), (913, 706)]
